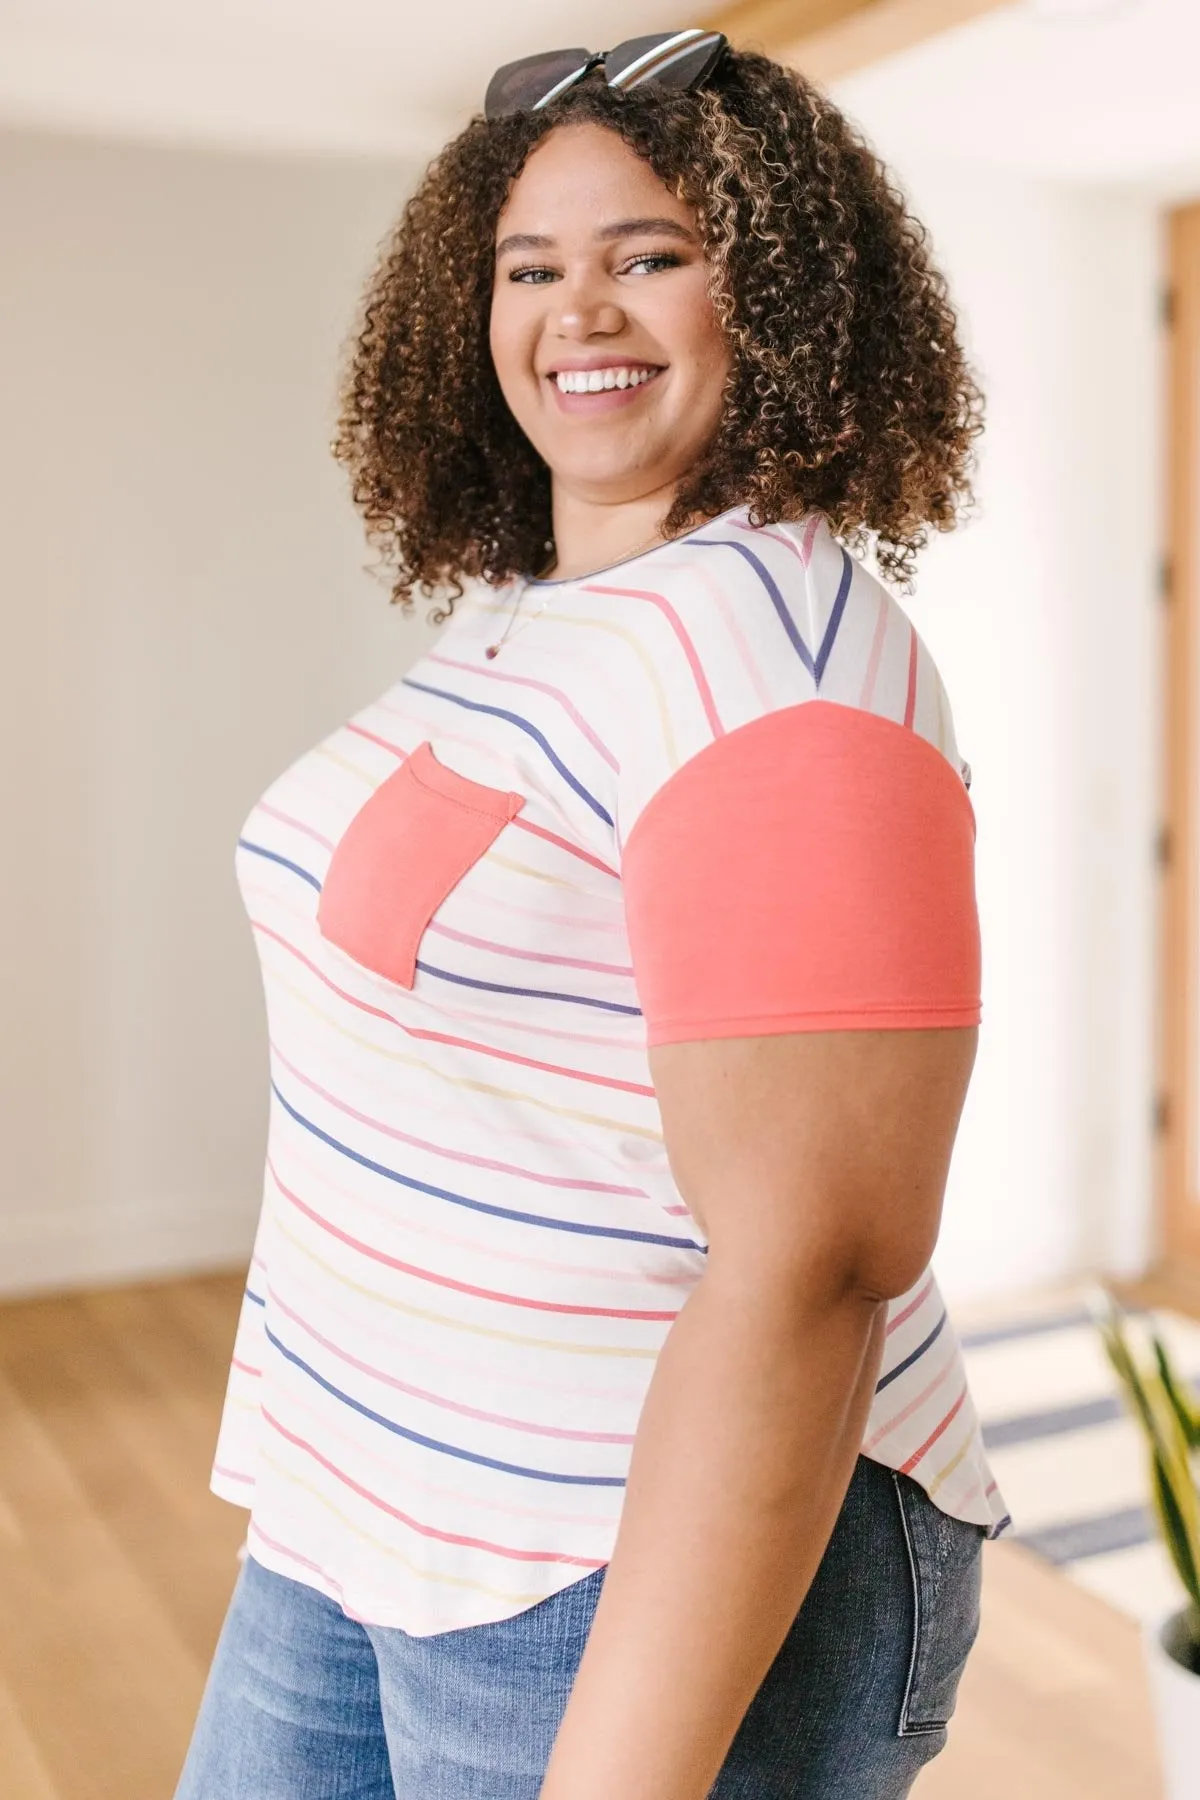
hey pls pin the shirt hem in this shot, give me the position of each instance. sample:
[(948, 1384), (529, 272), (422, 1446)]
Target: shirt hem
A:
[(831, 1018)]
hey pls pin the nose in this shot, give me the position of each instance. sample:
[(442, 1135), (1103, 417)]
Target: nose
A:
[(585, 308)]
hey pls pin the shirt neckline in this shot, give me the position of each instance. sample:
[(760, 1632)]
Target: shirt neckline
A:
[(624, 562)]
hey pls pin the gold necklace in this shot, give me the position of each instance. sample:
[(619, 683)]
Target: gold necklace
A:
[(491, 650)]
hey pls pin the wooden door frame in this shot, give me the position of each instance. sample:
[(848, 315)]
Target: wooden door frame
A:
[(830, 38), (1179, 987)]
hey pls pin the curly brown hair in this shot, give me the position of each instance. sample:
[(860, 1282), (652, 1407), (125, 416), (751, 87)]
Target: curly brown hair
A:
[(848, 390)]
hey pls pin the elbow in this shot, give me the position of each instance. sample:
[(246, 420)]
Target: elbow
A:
[(888, 1265), (821, 1272)]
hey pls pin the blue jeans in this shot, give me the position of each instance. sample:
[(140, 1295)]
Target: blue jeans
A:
[(303, 1703)]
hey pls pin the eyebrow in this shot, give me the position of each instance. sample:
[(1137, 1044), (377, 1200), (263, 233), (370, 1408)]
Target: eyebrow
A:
[(621, 228)]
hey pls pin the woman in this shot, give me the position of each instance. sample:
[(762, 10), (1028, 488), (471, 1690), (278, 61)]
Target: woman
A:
[(622, 971)]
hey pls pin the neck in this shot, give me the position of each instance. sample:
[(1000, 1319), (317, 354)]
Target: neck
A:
[(592, 534)]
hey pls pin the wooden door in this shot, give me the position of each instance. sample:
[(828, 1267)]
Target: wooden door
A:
[(1179, 1060)]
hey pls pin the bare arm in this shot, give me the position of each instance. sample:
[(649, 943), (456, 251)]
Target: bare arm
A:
[(816, 1163)]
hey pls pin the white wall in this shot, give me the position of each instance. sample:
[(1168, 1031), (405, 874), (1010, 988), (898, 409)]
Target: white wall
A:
[(1044, 617), (183, 610)]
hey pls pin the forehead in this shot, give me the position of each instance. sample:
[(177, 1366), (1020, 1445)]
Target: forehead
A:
[(583, 175)]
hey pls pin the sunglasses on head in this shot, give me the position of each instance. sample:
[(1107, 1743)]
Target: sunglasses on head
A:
[(675, 59)]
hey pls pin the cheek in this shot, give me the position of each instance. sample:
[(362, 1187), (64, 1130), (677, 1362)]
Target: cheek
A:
[(699, 336)]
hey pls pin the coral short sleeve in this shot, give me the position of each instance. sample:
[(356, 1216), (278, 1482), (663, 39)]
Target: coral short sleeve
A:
[(812, 870)]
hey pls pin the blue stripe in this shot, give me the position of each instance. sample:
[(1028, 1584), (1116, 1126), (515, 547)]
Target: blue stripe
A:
[(777, 600), (481, 1206), (274, 856), (498, 712), (428, 1443), (256, 1298), (815, 666), (496, 987), (912, 1357), (835, 617)]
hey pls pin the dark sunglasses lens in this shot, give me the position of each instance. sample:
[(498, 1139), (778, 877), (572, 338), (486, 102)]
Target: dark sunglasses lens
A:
[(676, 59), (522, 84)]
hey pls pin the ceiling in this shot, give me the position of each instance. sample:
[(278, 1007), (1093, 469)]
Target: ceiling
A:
[(1093, 90), (358, 77)]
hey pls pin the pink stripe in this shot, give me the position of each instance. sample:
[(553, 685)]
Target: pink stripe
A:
[(689, 648), (448, 1108), (910, 704), (539, 956), (463, 1287), (541, 1031), (699, 572), (385, 1469), (246, 1368), (529, 1062), (563, 843), (872, 674), (914, 1459), (228, 1474), (331, 1190), (296, 824), (441, 1037), (915, 1405), (528, 915), (912, 1307), (810, 535), (542, 687), (303, 1562), (776, 537), (440, 1400), (373, 737), (461, 1156), (430, 1531)]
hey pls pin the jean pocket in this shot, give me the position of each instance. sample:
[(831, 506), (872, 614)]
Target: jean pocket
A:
[(401, 854), (944, 1557)]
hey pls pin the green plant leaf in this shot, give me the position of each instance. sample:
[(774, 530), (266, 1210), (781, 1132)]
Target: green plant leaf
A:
[(1185, 1410), (1169, 1421)]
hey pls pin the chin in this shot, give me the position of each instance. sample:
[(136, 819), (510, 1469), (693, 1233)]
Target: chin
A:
[(607, 473)]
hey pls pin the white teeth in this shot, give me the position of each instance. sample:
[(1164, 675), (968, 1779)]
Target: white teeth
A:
[(595, 381)]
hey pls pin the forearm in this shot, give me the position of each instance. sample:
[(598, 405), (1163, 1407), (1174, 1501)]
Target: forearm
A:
[(746, 1445)]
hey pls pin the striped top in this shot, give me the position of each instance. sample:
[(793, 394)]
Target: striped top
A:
[(471, 1247)]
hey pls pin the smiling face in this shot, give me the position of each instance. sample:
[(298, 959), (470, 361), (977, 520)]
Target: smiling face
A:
[(603, 335)]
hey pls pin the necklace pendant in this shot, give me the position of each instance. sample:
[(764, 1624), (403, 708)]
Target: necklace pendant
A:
[(492, 650)]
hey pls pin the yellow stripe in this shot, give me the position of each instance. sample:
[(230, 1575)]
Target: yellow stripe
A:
[(433, 1318), (949, 1469), (634, 643), (385, 1471), (383, 1549), (341, 762), (463, 1081), (505, 862), (941, 717)]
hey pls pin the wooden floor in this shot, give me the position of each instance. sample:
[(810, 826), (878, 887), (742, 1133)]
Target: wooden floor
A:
[(116, 1563)]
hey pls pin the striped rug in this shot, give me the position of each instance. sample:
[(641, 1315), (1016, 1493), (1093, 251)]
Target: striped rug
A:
[(1069, 1460)]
